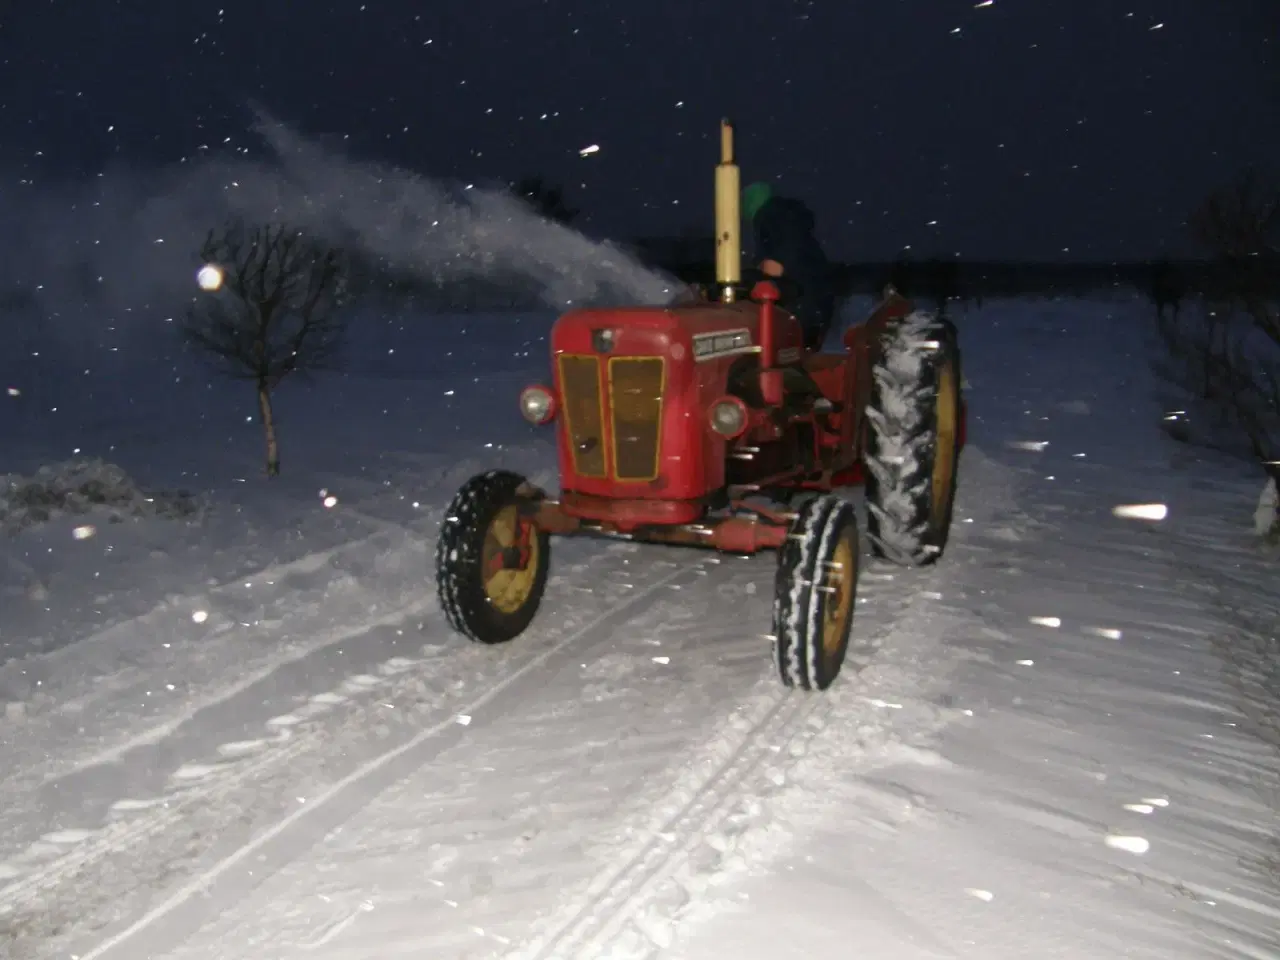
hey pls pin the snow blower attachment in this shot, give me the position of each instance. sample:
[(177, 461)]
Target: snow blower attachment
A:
[(710, 425)]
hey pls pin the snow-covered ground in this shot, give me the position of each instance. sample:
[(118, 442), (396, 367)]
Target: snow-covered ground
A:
[(243, 730)]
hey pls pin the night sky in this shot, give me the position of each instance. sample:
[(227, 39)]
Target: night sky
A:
[(1018, 129)]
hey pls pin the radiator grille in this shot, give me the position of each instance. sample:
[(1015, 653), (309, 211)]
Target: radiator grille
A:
[(583, 413), (635, 400)]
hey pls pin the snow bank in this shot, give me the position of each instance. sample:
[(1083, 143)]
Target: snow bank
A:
[(78, 486)]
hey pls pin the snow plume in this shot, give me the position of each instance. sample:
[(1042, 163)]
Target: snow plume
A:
[(443, 235), (125, 244)]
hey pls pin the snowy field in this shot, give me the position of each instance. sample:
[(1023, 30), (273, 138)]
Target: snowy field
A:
[(235, 725)]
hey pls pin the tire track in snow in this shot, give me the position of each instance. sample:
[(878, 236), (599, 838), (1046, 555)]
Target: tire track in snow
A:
[(558, 794), (543, 794), (546, 786), (715, 804), (49, 860), (629, 905), (615, 896), (231, 660), (631, 908), (161, 699), (77, 691), (531, 785), (138, 823)]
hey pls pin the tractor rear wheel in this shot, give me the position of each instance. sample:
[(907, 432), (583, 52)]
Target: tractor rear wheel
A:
[(815, 592), (913, 445), (491, 563)]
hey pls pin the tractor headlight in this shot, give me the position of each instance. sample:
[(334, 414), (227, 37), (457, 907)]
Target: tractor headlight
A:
[(537, 405), (729, 417)]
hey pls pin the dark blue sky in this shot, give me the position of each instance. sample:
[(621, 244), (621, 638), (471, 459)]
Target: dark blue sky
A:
[(1042, 129)]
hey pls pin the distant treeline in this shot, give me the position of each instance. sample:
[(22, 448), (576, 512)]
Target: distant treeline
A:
[(1163, 280), (971, 280)]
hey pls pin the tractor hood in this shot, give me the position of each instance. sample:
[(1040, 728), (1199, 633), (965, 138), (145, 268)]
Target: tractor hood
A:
[(700, 331)]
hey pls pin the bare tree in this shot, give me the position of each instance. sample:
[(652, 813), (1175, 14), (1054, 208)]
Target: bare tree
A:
[(1226, 354), (1241, 221), (272, 310)]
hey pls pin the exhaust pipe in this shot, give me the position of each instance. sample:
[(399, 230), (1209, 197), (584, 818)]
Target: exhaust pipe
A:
[(728, 218)]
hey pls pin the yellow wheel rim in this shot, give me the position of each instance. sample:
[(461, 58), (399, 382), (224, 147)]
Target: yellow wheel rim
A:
[(837, 609), (944, 456), (508, 589)]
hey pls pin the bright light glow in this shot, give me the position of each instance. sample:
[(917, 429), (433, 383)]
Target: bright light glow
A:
[(1107, 633), (1138, 845), (1141, 511), (209, 278)]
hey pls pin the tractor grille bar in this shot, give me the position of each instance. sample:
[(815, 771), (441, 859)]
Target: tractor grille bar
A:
[(635, 401), (583, 412)]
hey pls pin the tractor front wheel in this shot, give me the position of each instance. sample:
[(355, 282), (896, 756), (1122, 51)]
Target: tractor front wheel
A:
[(815, 593), (491, 563)]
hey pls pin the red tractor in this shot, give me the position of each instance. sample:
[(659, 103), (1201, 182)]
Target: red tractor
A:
[(709, 424)]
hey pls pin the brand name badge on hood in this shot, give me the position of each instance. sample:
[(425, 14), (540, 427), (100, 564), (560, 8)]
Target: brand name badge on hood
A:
[(708, 346)]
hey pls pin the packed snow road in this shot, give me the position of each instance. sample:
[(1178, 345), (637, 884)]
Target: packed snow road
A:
[(453, 795)]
